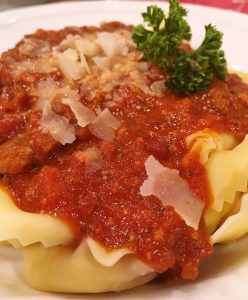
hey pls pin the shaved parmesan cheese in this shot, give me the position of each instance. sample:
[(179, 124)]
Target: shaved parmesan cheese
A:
[(71, 54), (69, 42), (69, 64), (112, 43), (139, 80), (109, 119), (158, 87), (167, 185), (58, 126), (104, 125), (84, 62), (82, 113), (48, 89), (102, 131), (92, 157), (34, 47), (102, 62), (73, 64), (86, 47)]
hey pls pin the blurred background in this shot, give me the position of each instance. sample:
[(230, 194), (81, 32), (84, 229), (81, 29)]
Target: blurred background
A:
[(8, 4), (236, 5)]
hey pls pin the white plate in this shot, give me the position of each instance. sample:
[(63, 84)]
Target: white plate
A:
[(224, 275)]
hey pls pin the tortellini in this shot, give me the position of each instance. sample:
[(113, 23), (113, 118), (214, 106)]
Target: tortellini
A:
[(235, 224), (228, 173), (51, 264), (226, 165), (205, 142), (67, 269), (20, 228)]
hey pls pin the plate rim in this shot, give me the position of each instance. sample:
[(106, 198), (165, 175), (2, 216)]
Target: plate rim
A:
[(114, 4)]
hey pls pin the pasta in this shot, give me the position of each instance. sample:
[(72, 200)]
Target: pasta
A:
[(232, 181), (226, 167), (109, 179), (28, 228), (40, 236), (235, 223), (79, 271)]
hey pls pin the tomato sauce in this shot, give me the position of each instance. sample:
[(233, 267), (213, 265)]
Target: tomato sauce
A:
[(106, 204)]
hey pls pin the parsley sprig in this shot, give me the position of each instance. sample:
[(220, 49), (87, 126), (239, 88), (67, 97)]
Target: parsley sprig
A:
[(161, 43)]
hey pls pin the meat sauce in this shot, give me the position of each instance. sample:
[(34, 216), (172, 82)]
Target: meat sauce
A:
[(106, 203)]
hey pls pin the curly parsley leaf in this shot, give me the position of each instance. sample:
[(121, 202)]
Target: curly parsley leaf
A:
[(161, 40)]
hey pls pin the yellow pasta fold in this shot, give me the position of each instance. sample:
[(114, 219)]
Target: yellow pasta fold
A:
[(88, 268), (226, 164), (67, 269), (103, 256), (235, 225), (205, 142), (213, 217), (20, 228), (228, 174)]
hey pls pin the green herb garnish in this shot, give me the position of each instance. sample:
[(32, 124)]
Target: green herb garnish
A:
[(161, 43)]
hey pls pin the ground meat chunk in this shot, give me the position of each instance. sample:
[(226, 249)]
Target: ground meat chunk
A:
[(13, 98), (10, 125), (25, 149), (238, 86), (5, 75)]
